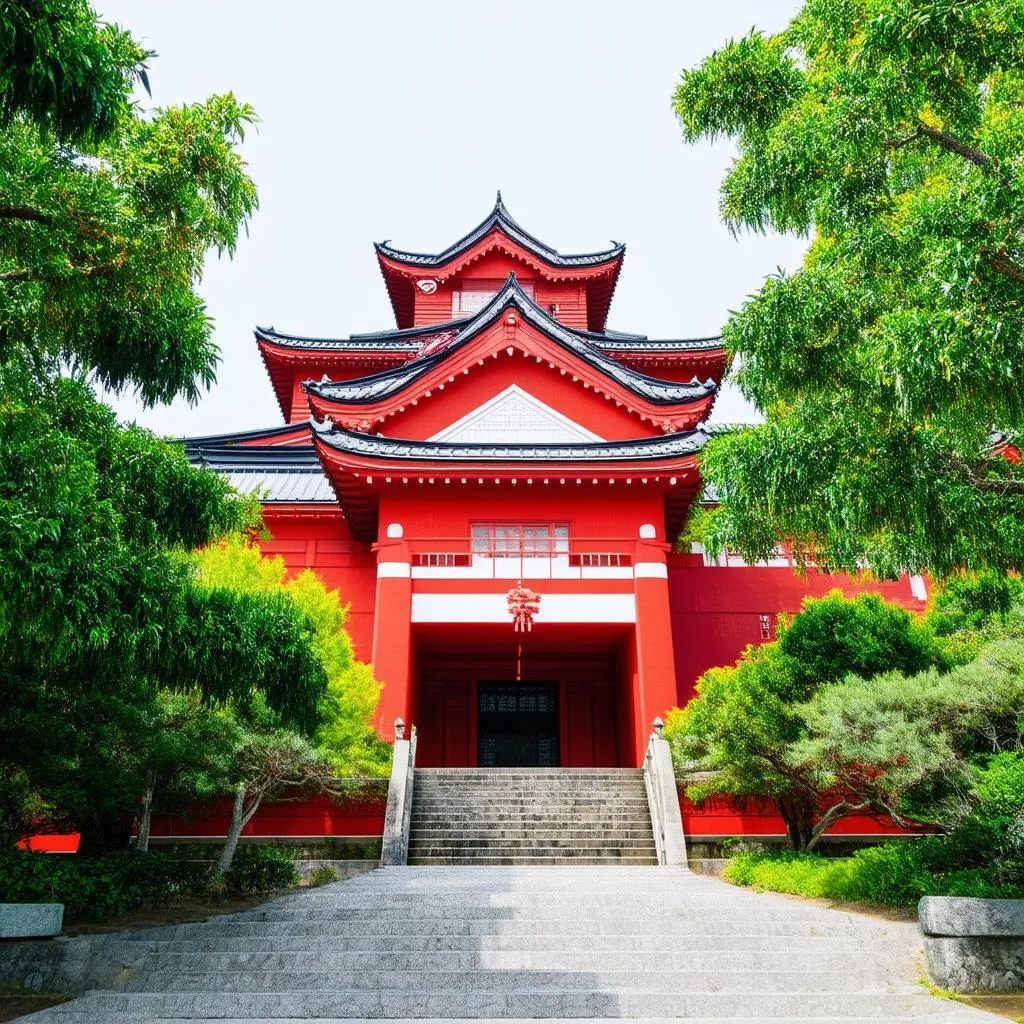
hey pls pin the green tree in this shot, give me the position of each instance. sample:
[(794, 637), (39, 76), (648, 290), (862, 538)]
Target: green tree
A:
[(187, 755), (106, 216), (345, 734), (270, 764), (745, 722), (892, 132), (943, 749)]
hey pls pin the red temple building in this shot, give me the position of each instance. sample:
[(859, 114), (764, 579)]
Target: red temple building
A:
[(501, 433)]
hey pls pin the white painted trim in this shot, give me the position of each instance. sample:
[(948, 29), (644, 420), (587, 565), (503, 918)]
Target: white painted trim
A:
[(648, 531), (650, 571), (563, 429), (586, 608), (395, 531), (918, 588), (393, 570), (544, 568)]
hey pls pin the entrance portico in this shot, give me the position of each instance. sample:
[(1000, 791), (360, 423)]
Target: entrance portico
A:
[(572, 707)]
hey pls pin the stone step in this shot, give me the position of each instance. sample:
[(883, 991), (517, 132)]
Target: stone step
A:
[(314, 926), (955, 1016), (459, 843), (524, 830), (490, 860), (476, 981), (330, 959), (752, 945), (115, 1007)]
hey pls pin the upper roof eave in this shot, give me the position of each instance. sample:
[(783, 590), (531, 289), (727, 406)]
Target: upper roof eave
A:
[(403, 339), (501, 220), (375, 446), (383, 385), (238, 437)]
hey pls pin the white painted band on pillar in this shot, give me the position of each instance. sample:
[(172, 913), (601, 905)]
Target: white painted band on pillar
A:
[(650, 570), (393, 569), (918, 588)]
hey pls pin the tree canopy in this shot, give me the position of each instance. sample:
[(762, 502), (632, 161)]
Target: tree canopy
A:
[(745, 721), (892, 133), (107, 213)]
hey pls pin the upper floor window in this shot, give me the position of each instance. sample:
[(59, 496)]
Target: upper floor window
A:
[(474, 295), (513, 540)]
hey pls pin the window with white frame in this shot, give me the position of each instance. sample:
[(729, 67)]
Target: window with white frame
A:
[(517, 540), (474, 295)]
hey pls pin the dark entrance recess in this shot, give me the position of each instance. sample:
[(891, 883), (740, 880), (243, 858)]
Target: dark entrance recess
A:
[(518, 725)]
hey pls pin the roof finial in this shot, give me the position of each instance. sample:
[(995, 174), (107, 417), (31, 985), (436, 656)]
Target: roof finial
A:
[(497, 202)]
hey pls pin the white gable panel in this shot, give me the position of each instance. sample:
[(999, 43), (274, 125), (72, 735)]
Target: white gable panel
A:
[(511, 417)]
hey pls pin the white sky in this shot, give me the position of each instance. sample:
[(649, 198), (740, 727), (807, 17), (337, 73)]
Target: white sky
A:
[(399, 120)]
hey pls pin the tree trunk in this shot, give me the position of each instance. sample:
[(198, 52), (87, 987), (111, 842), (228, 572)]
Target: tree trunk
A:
[(798, 821), (227, 855), (142, 844), (240, 817)]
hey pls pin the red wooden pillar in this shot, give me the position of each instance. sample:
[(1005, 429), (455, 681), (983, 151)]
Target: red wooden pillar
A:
[(655, 689), (392, 653)]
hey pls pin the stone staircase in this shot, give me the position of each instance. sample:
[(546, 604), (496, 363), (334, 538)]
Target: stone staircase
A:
[(514, 943), (523, 816)]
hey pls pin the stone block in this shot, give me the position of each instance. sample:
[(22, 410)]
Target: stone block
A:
[(965, 964), (967, 916), (30, 920)]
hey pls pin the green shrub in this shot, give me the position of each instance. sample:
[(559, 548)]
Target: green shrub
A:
[(896, 874), (322, 875), (257, 869), (98, 887)]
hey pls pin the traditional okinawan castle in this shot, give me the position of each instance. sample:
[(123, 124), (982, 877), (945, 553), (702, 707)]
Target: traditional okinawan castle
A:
[(500, 461)]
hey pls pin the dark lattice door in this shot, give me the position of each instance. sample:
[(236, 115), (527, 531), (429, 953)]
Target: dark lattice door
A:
[(518, 725)]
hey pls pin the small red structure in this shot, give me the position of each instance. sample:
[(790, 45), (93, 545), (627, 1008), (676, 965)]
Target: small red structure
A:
[(501, 436)]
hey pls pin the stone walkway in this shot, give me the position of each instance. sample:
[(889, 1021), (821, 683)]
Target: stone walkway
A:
[(517, 943)]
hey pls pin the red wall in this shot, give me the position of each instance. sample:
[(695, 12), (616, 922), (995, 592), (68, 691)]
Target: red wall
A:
[(716, 610), (468, 392), (720, 816), (314, 816), (321, 540), (601, 511)]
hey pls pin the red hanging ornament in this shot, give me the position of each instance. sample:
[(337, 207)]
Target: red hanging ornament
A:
[(523, 604)]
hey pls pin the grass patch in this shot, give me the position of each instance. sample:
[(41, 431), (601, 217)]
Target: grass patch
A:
[(896, 874)]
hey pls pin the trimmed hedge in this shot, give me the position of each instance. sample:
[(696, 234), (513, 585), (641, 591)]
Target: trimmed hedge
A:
[(92, 888)]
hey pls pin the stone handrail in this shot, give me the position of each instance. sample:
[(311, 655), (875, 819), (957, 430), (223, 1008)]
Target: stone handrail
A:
[(663, 799), (394, 849)]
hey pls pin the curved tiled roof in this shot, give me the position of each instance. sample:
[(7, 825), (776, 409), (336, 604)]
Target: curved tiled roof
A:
[(382, 385), (500, 218), (412, 339), (274, 473), (409, 339), (377, 446)]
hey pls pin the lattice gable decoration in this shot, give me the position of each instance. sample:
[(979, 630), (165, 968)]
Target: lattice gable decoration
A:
[(514, 416)]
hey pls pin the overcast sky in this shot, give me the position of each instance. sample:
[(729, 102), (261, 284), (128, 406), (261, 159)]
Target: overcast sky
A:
[(400, 120)]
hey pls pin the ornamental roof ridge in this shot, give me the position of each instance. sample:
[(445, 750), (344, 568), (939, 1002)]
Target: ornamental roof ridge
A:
[(377, 446), (381, 385), (499, 217)]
